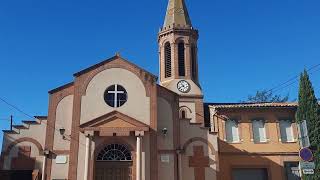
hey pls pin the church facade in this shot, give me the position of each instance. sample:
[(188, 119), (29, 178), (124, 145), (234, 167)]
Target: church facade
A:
[(114, 121)]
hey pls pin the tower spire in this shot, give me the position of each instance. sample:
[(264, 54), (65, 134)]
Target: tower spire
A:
[(177, 14)]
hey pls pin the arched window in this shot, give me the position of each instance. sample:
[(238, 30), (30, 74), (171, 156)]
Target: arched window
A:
[(115, 152), (167, 61), (194, 61), (183, 114), (181, 59)]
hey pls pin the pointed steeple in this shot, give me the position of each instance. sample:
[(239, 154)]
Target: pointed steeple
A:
[(177, 14)]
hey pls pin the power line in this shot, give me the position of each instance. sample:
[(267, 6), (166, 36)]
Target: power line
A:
[(16, 108), (27, 115), (294, 79)]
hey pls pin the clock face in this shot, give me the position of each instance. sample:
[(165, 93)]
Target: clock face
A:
[(183, 86)]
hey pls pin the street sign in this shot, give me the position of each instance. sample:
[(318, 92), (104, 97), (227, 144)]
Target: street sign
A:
[(307, 165), (306, 154), (308, 171)]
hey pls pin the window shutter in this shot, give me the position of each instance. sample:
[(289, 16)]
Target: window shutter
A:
[(283, 132), (262, 131), (289, 131), (286, 131), (229, 131), (255, 130), (235, 131), (259, 131), (232, 131)]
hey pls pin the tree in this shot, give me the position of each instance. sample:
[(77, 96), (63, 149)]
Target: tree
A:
[(309, 110), (266, 96)]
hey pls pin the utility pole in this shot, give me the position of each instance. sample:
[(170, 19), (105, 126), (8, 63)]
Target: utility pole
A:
[(11, 120)]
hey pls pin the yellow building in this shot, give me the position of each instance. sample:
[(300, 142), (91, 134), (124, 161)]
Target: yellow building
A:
[(256, 139)]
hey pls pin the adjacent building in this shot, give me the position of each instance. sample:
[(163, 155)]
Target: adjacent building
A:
[(256, 140)]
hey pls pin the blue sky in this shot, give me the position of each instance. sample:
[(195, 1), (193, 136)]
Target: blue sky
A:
[(244, 46)]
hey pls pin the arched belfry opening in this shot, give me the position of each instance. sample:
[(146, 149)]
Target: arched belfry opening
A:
[(181, 59), (113, 162), (194, 64), (167, 60)]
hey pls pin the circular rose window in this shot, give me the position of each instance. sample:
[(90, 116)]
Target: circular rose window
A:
[(115, 96)]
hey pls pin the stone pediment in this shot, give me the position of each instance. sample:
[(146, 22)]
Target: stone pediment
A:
[(114, 122)]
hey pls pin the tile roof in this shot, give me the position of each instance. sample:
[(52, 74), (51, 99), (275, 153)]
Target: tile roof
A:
[(254, 105)]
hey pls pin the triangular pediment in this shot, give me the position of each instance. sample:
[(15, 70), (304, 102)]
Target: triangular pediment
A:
[(114, 123), (114, 120)]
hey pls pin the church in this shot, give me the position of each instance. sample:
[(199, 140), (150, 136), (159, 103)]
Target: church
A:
[(117, 121)]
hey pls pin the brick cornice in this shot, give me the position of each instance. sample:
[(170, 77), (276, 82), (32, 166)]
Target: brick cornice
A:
[(260, 153)]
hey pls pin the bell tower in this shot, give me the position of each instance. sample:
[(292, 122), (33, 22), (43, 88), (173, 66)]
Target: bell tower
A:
[(178, 51), (178, 55)]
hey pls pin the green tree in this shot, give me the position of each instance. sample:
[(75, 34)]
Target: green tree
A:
[(266, 96), (309, 110)]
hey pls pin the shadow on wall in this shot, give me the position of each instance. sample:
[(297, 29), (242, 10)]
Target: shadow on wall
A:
[(236, 164), (16, 154), (199, 156)]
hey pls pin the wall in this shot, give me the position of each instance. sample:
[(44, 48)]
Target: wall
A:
[(274, 164), (94, 106), (191, 110), (166, 142), (247, 154), (271, 116), (165, 120), (63, 120), (60, 145), (60, 171), (32, 137), (195, 135)]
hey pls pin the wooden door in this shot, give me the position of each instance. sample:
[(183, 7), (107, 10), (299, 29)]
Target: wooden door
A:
[(117, 170)]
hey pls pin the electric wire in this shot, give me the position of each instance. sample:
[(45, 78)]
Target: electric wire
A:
[(294, 79), (29, 116)]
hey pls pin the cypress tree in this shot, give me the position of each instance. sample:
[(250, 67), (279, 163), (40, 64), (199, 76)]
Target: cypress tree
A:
[(309, 110)]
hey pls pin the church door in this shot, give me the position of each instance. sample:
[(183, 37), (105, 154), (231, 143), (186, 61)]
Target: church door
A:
[(114, 162)]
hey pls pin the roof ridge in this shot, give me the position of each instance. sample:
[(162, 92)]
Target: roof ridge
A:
[(109, 60)]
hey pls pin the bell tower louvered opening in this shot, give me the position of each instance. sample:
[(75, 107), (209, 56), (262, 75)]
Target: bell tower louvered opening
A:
[(167, 60), (181, 59), (194, 68)]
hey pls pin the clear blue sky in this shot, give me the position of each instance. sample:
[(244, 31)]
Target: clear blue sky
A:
[(244, 46)]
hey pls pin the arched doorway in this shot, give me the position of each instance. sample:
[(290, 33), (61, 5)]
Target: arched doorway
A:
[(114, 162)]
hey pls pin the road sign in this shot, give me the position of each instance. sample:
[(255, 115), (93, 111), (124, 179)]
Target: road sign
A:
[(306, 154), (307, 165), (308, 171)]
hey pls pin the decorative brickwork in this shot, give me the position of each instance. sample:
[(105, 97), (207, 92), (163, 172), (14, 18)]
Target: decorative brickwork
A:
[(199, 162)]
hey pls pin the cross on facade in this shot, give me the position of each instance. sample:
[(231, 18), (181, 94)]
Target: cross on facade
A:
[(199, 162), (116, 92)]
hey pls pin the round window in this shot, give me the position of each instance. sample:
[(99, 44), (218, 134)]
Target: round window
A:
[(115, 96)]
